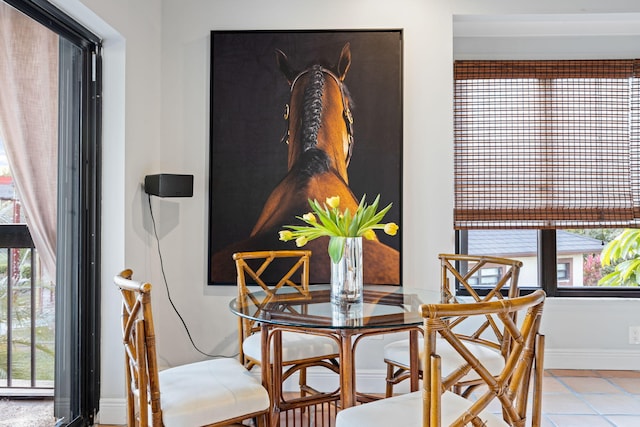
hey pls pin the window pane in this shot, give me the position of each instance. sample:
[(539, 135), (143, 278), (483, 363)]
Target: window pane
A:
[(580, 251), (516, 244), (564, 271), (583, 250)]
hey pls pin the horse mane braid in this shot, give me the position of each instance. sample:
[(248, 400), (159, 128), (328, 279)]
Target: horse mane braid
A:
[(310, 163), (312, 108)]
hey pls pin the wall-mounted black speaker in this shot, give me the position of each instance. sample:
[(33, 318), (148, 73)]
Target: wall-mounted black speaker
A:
[(169, 185)]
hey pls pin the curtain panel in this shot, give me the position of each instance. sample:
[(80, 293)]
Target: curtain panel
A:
[(29, 123)]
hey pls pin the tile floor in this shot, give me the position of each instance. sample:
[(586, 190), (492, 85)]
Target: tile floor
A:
[(585, 398), (590, 398)]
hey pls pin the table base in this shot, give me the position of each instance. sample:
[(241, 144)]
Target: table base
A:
[(346, 395)]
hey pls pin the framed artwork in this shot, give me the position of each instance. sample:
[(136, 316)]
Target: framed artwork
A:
[(299, 115)]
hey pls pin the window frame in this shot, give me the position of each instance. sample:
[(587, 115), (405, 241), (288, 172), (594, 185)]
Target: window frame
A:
[(547, 270), (548, 273)]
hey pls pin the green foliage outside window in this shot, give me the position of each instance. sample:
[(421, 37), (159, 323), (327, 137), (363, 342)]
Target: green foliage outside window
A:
[(623, 254)]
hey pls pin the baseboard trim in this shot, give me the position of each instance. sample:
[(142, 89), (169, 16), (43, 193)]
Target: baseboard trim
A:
[(112, 411), (620, 360)]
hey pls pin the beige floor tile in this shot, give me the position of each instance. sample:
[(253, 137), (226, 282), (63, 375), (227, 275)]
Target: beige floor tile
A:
[(579, 421), (619, 374), (546, 422), (630, 385), (573, 373), (553, 385), (624, 420), (564, 404), (613, 404), (590, 385)]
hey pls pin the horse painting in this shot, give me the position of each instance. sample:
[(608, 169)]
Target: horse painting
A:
[(320, 138)]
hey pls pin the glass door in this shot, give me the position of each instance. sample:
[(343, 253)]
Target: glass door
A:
[(75, 210)]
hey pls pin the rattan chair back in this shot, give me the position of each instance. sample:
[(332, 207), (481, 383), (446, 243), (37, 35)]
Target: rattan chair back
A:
[(511, 386), (143, 380), (464, 279), (281, 275), (271, 271), (138, 337)]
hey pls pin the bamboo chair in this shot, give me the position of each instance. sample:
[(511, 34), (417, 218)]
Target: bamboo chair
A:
[(271, 272), (486, 338), (218, 392), (436, 406)]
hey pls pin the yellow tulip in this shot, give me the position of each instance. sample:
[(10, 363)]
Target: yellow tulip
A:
[(286, 235), (391, 228), (369, 234), (333, 202), (309, 217), (328, 220)]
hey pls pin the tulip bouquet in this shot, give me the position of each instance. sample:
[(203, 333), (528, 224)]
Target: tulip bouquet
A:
[(329, 220)]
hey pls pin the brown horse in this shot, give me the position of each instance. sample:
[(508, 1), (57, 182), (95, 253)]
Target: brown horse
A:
[(320, 139)]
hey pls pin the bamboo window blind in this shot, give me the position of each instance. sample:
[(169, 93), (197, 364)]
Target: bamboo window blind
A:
[(546, 144)]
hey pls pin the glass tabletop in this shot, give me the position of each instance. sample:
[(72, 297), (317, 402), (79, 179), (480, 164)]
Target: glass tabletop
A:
[(382, 307)]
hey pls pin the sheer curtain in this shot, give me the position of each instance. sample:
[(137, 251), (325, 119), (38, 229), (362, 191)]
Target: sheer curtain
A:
[(29, 122)]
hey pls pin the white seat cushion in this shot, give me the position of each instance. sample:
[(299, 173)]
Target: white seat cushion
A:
[(207, 392), (491, 359), (406, 411), (295, 346)]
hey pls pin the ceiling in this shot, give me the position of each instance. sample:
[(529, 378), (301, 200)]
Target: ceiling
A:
[(609, 24)]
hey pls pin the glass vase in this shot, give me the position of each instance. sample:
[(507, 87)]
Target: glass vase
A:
[(346, 274), (347, 314)]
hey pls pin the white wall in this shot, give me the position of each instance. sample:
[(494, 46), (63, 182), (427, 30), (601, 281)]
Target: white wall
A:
[(156, 120)]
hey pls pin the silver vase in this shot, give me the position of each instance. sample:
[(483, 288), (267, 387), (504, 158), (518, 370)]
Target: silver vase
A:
[(346, 274)]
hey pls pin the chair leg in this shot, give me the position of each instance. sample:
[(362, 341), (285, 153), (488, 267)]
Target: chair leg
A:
[(389, 381), (260, 421), (536, 414), (302, 381)]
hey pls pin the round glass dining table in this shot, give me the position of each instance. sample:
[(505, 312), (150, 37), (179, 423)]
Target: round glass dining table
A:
[(384, 309)]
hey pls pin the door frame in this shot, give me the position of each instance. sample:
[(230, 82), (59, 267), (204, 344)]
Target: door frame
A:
[(78, 373)]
